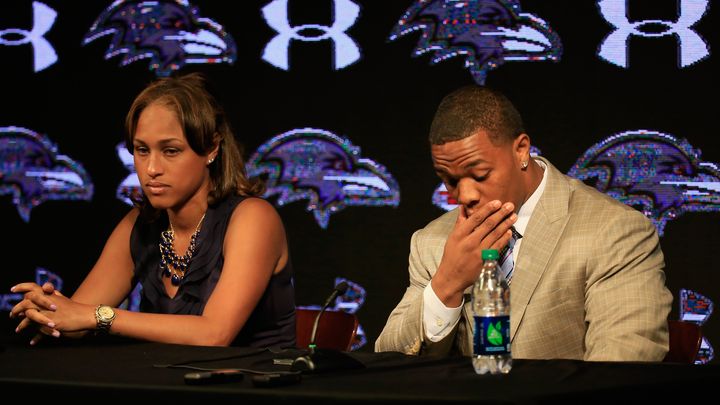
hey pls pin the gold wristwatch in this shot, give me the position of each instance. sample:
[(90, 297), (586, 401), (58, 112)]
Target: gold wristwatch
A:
[(104, 316)]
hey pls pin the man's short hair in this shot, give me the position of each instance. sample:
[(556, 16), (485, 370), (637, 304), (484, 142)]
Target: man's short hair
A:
[(471, 108)]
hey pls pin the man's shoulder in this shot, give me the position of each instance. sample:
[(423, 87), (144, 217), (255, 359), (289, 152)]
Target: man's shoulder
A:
[(588, 195), (589, 201)]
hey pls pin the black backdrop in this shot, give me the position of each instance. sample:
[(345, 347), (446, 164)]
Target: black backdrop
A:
[(383, 103)]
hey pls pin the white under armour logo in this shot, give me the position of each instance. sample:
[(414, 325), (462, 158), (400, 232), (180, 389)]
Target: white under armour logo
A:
[(692, 47), (346, 50), (43, 20)]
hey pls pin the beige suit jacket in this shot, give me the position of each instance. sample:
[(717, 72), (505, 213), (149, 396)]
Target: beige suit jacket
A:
[(588, 283)]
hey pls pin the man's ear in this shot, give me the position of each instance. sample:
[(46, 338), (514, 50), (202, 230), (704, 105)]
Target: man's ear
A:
[(521, 149)]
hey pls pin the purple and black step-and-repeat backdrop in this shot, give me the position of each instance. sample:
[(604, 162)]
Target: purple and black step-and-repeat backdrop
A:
[(333, 99)]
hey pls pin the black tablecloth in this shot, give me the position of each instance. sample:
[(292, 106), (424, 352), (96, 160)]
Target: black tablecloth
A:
[(134, 371)]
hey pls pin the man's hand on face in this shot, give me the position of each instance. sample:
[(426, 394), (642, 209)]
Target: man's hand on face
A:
[(488, 227)]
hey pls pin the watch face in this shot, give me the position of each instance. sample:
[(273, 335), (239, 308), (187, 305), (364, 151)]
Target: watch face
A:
[(106, 312)]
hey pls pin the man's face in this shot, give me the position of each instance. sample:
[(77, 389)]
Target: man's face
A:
[(475, 171)]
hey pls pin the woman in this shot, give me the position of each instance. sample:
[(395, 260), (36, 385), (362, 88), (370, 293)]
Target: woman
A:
[(212, 260)]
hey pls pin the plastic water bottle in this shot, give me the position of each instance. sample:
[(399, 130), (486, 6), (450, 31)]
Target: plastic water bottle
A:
[(491, 310)]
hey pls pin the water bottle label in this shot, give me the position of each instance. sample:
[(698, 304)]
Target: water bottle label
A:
[(492, 335)]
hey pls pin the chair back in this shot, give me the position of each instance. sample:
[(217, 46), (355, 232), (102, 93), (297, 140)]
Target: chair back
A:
[(685, 339), (336, 329)]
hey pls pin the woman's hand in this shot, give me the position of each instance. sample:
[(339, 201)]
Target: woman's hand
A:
[(51, 311), (34, 308)]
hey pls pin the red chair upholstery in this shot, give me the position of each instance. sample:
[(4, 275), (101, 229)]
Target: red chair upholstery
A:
[(336, 329), (685, 339)]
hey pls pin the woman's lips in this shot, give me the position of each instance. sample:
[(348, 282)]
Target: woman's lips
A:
[(156, 188)]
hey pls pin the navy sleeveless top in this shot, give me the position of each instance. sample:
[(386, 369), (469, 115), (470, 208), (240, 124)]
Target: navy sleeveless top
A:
[(272, 322)]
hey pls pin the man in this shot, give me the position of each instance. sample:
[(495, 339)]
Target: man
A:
[(586, 275)]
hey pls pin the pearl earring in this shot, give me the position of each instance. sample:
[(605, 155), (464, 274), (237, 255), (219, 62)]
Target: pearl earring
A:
[(210, 160), (524, 164)]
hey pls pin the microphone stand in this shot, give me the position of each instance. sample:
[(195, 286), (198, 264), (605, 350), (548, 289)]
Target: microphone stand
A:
[(321, 360)]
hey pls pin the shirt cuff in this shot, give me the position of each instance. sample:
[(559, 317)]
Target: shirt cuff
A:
[(439, 320)]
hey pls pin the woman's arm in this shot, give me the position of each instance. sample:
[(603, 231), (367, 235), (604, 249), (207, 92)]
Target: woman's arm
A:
[(109, 282)]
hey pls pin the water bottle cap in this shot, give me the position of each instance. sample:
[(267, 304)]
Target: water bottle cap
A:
[(490, 254)]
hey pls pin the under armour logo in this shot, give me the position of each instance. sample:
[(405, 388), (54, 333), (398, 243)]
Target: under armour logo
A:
[(346, 50), (43, 20), (692, 47)]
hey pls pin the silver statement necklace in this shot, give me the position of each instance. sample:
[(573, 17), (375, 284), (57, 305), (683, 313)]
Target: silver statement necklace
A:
[(171, 264)]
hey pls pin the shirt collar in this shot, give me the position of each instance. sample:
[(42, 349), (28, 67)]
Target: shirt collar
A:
[(528, 207)]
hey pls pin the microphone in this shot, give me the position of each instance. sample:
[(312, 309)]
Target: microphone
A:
[(339, 290), (321, 360)]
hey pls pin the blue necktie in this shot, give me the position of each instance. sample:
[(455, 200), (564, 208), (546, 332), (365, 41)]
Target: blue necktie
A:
[(506, 258)]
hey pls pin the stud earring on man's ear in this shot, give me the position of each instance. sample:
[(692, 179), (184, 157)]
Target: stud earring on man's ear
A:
[(524, 164)]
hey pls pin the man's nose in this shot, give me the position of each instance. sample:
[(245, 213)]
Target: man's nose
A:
[(468, 193)]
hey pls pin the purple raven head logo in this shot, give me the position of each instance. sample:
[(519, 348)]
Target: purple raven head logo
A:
[(486, 32), (170, 33), (658, 174), (129, 190), (32, 171), (695, 307), (328, 171)]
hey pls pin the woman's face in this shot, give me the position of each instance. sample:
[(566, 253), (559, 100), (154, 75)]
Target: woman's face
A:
[(169, 171)]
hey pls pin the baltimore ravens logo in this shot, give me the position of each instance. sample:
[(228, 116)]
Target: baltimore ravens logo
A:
[(170, 33), (328, 171), (695, 307), (129, 190), (658, 174), (487, 33), (32, 171)]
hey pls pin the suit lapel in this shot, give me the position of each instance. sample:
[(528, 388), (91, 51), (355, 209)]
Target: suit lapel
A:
[(544, 229)]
